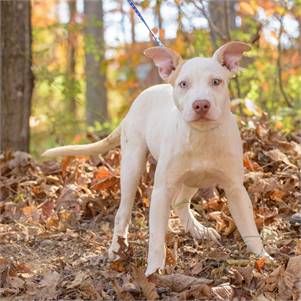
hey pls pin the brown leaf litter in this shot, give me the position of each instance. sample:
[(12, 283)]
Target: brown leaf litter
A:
[(56, 222)]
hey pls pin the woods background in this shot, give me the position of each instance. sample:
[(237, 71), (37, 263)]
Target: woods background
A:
[(72, 67)]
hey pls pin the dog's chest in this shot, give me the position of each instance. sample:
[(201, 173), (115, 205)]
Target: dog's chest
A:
[(203, 162), (200, 178)]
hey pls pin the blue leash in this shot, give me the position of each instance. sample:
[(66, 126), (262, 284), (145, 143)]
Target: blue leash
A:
[(156, 39)]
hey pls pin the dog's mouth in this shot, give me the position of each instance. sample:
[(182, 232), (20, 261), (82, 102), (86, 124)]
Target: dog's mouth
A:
[(201, 119)]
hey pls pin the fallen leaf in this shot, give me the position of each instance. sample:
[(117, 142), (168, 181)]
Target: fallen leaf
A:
[(48, 286), (79, 278), (32, 213), (124, 251), (121, 293), (65, 164), (22, 268), (16, 284), (265, 216), (238, 262), (48, 208), (277, 155), (200, 291), (89, 291), (170, 257), (251, 165), (6, 269), (224, 223), (197, 268), (118, 266), (246, 272), (104, 179), (237, 277), (277, 195), (263, 185), (294, 268), (223, 292), (147, 286), (218, 254), (259, 264), (261, 297), (178, 282)]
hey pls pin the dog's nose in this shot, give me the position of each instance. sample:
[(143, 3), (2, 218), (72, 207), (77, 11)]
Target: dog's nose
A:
[(201, 106)]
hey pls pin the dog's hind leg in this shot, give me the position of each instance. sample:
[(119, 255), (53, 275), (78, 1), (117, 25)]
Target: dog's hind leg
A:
[(133, 160), (182, 209)]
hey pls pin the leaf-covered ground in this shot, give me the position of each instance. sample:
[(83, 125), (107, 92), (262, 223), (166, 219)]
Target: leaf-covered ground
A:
[(56, 221)]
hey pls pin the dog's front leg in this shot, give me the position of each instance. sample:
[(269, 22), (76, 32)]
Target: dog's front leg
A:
[(158, 222), (241, 210), (132, 166)]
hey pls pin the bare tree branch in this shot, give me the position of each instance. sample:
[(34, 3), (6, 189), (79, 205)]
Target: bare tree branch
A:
[(214, 31), (286, 97)]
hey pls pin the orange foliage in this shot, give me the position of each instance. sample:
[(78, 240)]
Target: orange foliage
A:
[(43, 13), (247, 8), (104, 179)]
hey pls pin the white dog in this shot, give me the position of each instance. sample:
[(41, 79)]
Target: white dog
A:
[(189, 129)]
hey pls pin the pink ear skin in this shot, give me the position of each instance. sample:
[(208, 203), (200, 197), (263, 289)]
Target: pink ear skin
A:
[(230, 54), (165, 59)]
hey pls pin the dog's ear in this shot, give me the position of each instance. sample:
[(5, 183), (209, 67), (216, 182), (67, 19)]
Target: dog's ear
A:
[(230, 54), (166, 59)]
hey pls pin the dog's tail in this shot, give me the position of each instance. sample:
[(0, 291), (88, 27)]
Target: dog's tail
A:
[(100, 147)]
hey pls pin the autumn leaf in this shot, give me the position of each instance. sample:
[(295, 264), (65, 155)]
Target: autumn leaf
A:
[(259, 264), (79, 278), (22, 268), (246, 8), (104, 179), (118, 266), (48, 286), (65, 163), (224, 223), (170, 257), (277, 195), (121, 293), (147, 286), (179, 282), (277, 155), (223, 292), (250, 165)]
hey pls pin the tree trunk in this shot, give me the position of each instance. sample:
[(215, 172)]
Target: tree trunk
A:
[(299, 39), (96, 93), (71, 61), (179, 17), (159, 16), (159, 23), (222, 15), (16, 74), (133, 25)]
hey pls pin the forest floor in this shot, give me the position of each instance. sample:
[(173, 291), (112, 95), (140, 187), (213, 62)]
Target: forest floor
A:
[(56, 221)]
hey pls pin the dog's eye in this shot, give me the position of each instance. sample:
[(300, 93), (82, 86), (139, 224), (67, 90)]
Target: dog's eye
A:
[(216, 82), (183, 84)]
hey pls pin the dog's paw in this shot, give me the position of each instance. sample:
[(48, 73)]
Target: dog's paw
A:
[(153, 267), (156, 261), (118, 248), (112, 254), (113, 251), (198, 231), (268, 258)]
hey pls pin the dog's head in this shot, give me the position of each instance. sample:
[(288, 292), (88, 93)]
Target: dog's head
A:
[(200, 84)]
